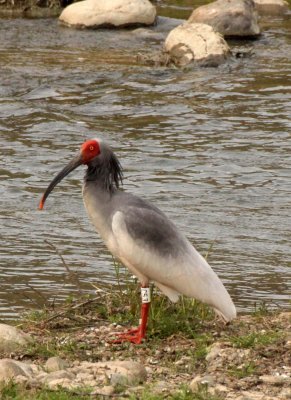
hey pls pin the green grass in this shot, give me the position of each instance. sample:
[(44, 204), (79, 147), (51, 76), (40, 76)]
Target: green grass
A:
[(255, 339), (261, 309), (247, 369), (120, 303), (13, 391)]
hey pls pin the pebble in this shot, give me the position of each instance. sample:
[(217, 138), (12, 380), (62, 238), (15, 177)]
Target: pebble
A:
[(118, 379), (214, 352), (55, 364), (58, 375), (253, 396), (61, 382), (206, 380), (276, 380), (83, 376), (161, 387), (285, 394), (105, 391)]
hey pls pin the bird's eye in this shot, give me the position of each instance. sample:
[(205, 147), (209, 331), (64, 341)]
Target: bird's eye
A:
[(91, 148)]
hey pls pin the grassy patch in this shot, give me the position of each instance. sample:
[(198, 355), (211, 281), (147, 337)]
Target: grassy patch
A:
[(261, 309), (255, 339), (245, 370), (120, 303), (53, 346), (13, 391)]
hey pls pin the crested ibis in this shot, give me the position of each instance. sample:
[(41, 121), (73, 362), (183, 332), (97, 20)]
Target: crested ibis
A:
[(142, 237)]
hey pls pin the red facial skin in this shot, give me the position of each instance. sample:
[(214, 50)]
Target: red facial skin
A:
[(89, 150)]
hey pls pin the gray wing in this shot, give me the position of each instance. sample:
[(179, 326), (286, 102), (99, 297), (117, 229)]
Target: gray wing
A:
[(151, 229), (149, 242)]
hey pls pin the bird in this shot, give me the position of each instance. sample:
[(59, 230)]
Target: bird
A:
[(142, 238)]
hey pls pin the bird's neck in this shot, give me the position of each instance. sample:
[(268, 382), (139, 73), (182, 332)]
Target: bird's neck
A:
[(97, 203), (105, 172)]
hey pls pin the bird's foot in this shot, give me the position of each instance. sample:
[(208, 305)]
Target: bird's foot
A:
[(132, 335)]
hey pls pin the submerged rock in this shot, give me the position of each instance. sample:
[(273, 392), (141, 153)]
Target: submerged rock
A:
[(271, 7), (229, 17), (12, 339), (198, 43), (108, 13)]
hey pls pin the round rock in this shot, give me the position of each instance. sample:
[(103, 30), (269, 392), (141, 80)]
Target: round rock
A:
[(229, 17), (55, 364), (12, 339), (196, 42), (108, 13)]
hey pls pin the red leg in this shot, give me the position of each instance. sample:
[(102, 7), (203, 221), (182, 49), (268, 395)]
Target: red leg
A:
[(136, 335)]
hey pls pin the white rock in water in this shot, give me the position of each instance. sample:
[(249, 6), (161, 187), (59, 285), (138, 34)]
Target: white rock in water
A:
[(108, 13), (229, 17), (12, 339), (196, 42), (271, 7)]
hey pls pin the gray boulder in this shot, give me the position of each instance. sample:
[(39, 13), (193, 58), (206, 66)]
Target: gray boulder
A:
[(108, 13), (229, 17), (196, 43)]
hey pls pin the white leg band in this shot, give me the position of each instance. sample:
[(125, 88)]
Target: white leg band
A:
[(145, 295)]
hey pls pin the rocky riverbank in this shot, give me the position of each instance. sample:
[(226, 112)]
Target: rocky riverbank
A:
[(248, 359)]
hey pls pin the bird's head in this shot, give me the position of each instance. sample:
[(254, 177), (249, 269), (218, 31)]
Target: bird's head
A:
[(92, 153), (89, 150)]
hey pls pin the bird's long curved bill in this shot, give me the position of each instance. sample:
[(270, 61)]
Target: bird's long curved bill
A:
[(76, 162)]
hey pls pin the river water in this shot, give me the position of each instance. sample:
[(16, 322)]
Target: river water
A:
[(211, 147)]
